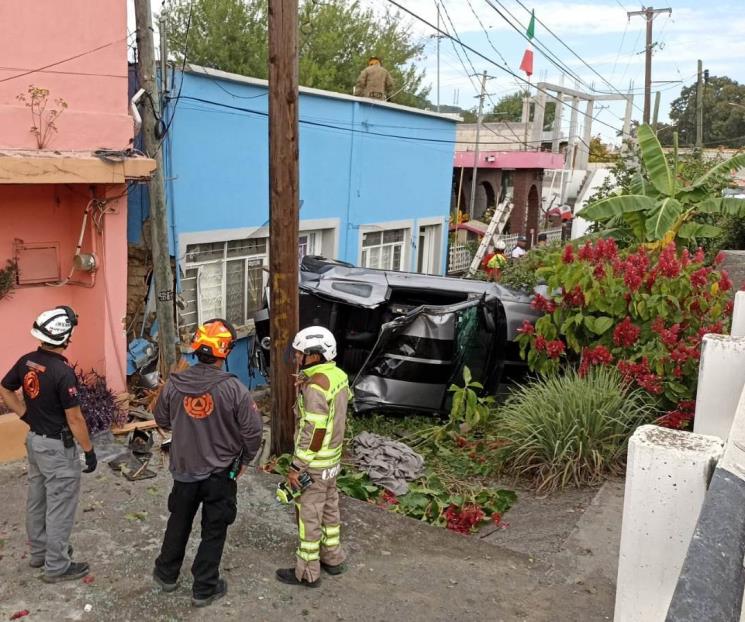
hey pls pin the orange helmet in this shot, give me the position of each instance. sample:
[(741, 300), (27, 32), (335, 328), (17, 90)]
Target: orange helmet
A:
[(215, 337)]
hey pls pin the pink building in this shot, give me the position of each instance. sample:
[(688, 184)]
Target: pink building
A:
[(53, 196)]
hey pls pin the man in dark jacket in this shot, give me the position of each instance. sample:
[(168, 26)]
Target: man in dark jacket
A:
[(216, 433), (374, 81)]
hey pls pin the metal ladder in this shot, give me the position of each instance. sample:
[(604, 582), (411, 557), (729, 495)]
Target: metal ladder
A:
[(496, 226)]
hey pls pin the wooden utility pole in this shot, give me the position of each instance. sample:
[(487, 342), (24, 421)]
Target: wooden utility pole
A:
[(283, 215), (649, 14), (479, 121), (700, 106), (158, 216)]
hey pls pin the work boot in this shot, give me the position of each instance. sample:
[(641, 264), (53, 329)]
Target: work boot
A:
[(164, 585), (39, 563), (220, 590), (334, 570), (287, 575), (76, 570)]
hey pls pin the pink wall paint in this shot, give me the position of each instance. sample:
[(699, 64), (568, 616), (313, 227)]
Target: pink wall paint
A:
[(54, 214), (511, 159), (38, 33)]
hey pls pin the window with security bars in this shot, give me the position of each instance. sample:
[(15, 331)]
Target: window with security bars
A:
[(227, 279), (223, 279), (383, 249)]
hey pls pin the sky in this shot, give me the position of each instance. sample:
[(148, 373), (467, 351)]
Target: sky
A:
[(597, 31)]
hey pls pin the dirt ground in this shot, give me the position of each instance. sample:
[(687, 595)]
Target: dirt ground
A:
[(400, 569)]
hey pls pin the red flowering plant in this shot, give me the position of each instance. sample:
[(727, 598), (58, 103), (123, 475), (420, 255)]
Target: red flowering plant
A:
[(642, 310)]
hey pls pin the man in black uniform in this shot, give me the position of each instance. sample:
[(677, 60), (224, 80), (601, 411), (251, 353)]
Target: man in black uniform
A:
[(50, 407)]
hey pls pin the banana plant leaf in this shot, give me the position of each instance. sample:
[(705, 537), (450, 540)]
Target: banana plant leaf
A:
[(661, 220), (636, 222), (694, 230), (655, 163), (726, 206), (734, 163), (606, 209)]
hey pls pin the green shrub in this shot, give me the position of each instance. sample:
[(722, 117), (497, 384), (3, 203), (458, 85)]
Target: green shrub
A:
[(567, 429)]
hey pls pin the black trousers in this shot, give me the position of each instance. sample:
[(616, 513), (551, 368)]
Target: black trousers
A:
[(217, 495)]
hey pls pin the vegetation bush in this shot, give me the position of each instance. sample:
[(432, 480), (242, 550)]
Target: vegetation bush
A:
[(639, 310), (571, 429)]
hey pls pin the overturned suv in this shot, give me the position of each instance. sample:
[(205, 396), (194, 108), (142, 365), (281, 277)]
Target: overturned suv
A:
[(404, 338)]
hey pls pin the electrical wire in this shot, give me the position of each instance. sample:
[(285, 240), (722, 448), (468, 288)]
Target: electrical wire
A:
[(504, 60), (518, 27), (465, 53), (64, 60), (582, 60), (260, 113), (491, 61), (181, 84)]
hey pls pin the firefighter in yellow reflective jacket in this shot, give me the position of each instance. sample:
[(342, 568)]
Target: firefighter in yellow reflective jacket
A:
[(321, 409)]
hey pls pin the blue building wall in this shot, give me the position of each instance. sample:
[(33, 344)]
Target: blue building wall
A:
[(360, 162)]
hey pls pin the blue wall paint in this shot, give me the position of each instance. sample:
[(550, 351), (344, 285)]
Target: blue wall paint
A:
[(238, 363), (217, 163)]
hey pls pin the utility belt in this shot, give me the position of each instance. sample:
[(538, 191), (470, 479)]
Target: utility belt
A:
[(64, 435)]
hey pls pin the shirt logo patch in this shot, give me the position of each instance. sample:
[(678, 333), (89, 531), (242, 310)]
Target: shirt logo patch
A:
[(72, 391), (199, 407), (31, 386), (36, 366)]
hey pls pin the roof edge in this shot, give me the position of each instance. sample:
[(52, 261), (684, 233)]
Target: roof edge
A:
[(234, 77)]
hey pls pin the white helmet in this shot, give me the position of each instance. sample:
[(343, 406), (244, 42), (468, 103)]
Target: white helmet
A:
[(500, 245), (55, 326), (316, 339)]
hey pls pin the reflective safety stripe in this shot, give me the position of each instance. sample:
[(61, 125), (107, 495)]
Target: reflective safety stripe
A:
[(300, 524), (331, 530), (330, 543), (308, 556), (309, 546), (316, 418)]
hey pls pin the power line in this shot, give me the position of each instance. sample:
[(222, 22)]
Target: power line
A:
[(64, 60), (582, 60), (550, 56), (452, 25), (239, 109), (491, 61)]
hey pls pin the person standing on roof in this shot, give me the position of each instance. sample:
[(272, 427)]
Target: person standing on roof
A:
[(51, 409), (216, 433), (374, 81), (321, 410)]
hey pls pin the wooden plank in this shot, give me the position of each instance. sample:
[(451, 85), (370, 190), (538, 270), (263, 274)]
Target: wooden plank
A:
[(134, 425)]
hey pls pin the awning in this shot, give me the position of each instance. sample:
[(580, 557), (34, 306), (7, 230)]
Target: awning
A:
[(72, 167)]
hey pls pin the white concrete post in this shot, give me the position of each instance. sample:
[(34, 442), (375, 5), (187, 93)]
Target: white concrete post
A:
[(666, 480), (721, 377), (738, 316)]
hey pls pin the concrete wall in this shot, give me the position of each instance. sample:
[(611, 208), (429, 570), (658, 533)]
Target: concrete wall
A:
[(94, 85), (666, 479), (44, 33), (360, 162), (36, 214), (721, 378)]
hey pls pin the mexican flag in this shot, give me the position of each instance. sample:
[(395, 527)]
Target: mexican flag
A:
[(527, 63)]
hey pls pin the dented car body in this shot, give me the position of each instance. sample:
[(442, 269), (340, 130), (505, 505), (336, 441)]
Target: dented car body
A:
[(404, 338)]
